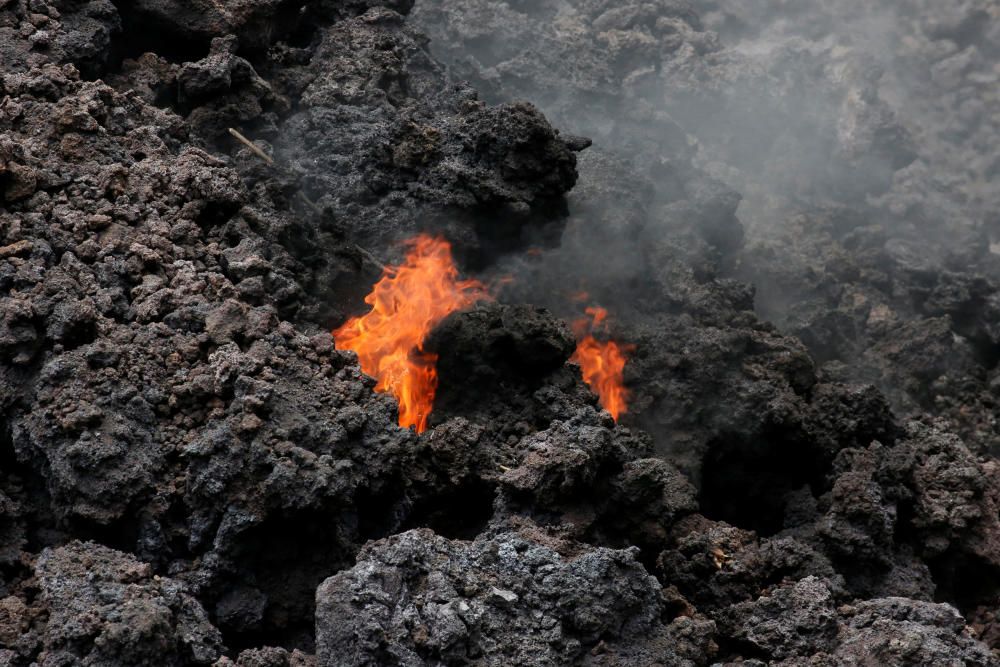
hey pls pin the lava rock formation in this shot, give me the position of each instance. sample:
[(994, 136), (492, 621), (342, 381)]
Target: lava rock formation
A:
[(788, 209)]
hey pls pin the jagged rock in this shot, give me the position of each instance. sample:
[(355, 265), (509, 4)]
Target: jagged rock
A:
[(269, 657), (99, 606), (430, 149), (417, 599), (36, 32), (506, 349), (168, 384), (796, 621), (800, 625)]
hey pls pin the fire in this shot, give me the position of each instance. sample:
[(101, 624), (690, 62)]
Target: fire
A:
[(406, 304), (602, 363)]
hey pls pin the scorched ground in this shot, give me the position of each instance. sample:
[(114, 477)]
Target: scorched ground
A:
[(193, 471)]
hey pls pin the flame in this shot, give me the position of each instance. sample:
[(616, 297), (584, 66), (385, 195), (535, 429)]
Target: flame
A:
[(407, 303), (602, 363)]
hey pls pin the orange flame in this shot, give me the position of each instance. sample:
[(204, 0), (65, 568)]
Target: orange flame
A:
[(407, 303), (602, 363)]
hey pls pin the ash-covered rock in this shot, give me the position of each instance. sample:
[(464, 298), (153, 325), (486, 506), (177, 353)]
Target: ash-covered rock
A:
[(901, 631), (801, 625), (795, 621), (97, 606), (269, 657), (418, 599)]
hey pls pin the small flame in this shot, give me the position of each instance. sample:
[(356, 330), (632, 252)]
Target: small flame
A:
[(600, 316), (602, 363), (407, 303)]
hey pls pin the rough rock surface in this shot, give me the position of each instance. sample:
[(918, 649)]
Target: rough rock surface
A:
[(427, 147), (798, 244), (96, 606), (792, 623), (417, 599)]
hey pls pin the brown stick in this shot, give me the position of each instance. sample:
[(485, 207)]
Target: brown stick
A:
[(252, 146), (310, 203), (270, 161)]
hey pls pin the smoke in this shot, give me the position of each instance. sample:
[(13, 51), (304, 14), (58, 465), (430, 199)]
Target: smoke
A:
[(792, 104), (823, 152)]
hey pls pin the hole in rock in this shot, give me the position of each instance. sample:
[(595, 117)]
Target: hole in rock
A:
[(8, 459), (271, 601), (142, 33), (306, 32), (214, 213), (965, 581), (121, 535), (22, 484), (967, 323), (79, 333), (460, 513), (746, 482)]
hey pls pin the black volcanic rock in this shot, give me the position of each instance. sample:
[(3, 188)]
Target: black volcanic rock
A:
[(495, 349), (393, 146), (188, 467), (417, 598), (99, 606), (78, 33)]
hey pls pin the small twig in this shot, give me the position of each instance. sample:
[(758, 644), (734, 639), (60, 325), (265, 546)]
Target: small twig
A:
[(371, 258), (270, 161), (310, 203), (253, 147), (302, 195)]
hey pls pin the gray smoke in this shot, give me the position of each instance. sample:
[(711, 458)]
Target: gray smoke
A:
[(840, 157)]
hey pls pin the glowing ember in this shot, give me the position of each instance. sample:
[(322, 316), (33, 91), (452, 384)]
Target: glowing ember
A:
[(602, 363), (407, 303)]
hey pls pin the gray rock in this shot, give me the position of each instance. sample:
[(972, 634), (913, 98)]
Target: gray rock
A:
[(419, 599)]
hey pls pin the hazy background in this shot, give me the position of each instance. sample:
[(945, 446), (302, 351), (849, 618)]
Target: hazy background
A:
[(839, 157)]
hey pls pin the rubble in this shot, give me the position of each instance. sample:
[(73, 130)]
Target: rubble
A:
[(798, 245)]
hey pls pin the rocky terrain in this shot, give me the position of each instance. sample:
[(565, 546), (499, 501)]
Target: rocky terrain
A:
[(787, 208)]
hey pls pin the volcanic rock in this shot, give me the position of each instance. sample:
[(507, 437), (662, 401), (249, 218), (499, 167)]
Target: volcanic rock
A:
[(417, 597), (426, 145), (785, 207), (508, 350), (99, 606)]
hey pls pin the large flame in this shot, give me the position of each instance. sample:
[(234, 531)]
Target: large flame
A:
[(407, 303), (602, 363)]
